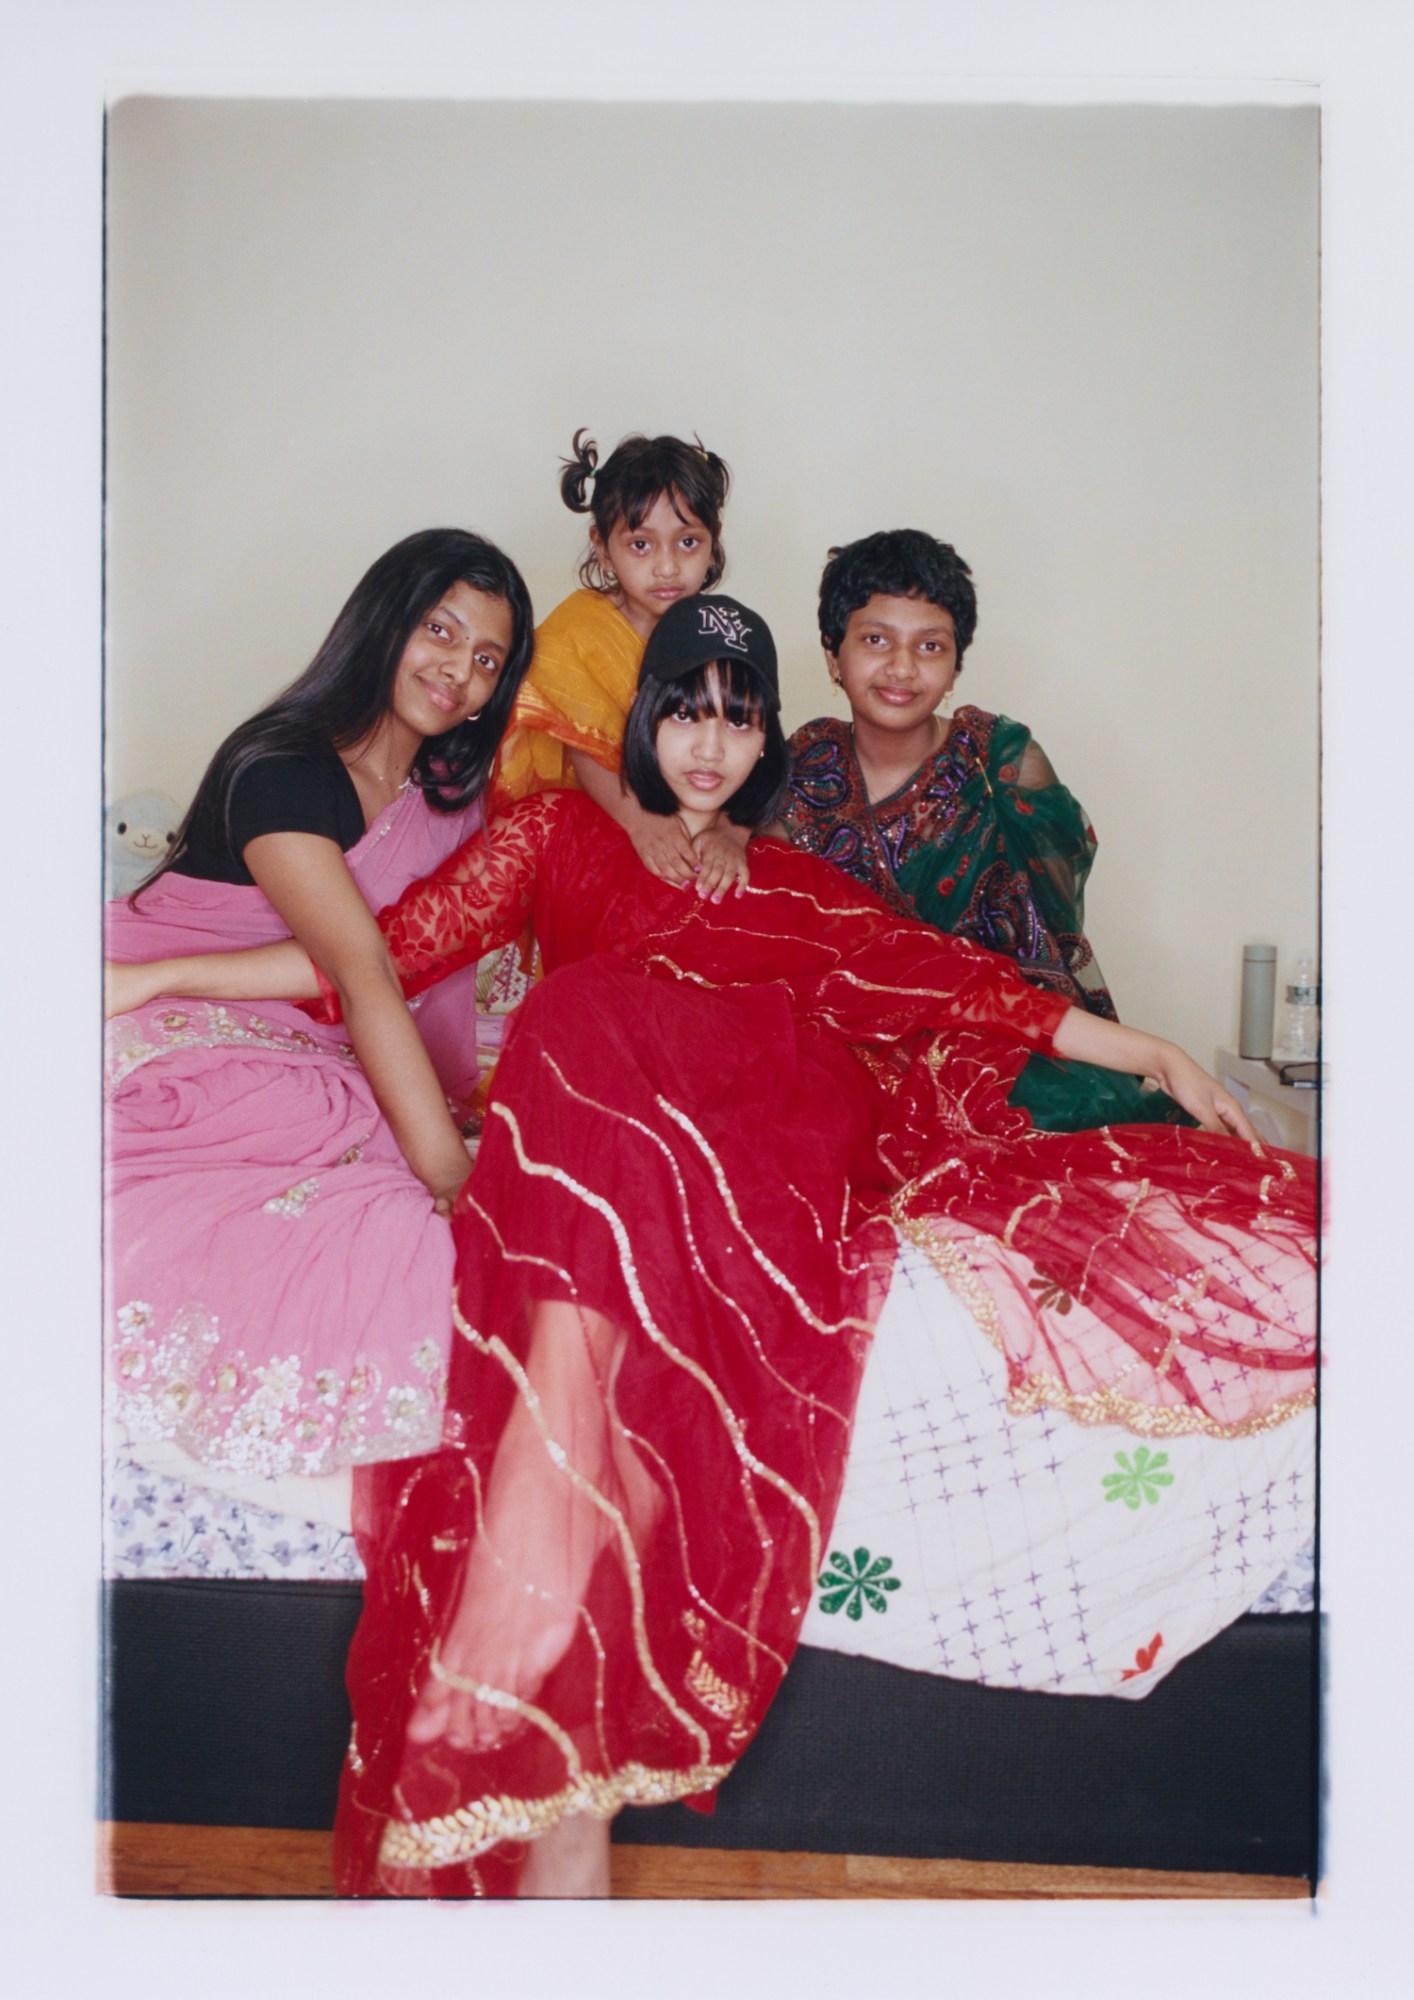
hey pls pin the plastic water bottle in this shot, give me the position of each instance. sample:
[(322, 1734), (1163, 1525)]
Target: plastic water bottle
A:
[(1301, 1019)]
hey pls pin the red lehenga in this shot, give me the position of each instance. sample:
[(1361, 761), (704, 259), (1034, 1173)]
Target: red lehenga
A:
[(708, 1125)]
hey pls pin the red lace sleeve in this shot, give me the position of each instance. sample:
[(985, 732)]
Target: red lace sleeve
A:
[(904, 977), (857, 971), (479, 899)]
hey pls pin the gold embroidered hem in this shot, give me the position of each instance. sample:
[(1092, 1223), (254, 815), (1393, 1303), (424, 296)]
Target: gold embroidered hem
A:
[(1107, 1406), (473, 1829), (1043, 1389)]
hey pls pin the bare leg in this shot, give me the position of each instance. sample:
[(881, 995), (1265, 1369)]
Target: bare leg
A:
[(572, 1859), (541, 1533)]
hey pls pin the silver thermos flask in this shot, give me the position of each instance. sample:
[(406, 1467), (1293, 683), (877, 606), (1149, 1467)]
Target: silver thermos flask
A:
[(1259, 993)]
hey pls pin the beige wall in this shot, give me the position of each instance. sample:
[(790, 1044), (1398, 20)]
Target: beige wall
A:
[(1080, 343)]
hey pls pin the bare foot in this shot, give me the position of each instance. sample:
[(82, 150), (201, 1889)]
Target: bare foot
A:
[(501, 1641), (572, 1859)]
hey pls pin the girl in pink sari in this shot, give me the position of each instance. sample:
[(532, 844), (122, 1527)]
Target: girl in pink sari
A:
[(278, 1257)]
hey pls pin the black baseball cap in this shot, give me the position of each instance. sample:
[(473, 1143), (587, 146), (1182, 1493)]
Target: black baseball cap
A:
[(697, 630)]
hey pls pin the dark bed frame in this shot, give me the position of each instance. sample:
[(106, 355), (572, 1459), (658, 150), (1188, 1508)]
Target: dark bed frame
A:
[(224, 1705)]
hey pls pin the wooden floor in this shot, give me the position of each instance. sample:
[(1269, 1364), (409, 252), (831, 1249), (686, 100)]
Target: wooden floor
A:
[(140, 1860)]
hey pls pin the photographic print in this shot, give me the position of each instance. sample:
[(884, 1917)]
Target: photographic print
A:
[(1071, 351)]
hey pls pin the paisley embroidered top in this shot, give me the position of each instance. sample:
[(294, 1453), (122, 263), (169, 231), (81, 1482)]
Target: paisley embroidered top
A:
[(965, 845)]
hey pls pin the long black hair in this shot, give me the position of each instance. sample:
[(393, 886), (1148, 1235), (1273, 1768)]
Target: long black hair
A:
[(345, 690), (638, 471), (721, 687)]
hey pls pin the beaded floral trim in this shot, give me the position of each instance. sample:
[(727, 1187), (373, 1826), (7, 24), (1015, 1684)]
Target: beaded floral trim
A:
[(177, 1380), (134, 1039), (472, 1829)]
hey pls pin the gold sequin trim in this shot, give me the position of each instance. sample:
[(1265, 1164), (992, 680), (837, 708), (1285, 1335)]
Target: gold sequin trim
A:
[(472, 1829), (730, 1420), (511, 1704), (640, 1443), (952, 1263), (1045, 1391), (496, 1349), (1107, 1406), (1051, 1195), (850, 1324), (766, 1573), (733, 1704), (685, 1216)]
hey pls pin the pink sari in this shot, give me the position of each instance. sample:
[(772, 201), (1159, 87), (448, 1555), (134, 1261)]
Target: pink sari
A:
[(277, 1283)]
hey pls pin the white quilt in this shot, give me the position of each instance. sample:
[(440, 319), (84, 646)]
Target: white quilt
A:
[(1027, 1552), (1034, 1552)]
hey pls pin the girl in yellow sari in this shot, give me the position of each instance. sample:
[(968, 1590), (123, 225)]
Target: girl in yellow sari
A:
[(655, 536)]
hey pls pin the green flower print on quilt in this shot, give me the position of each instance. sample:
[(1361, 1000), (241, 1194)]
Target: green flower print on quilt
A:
[(848, 1586), (1139, 1480)]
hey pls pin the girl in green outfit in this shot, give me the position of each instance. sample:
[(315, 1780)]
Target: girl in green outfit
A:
[(958, 820)]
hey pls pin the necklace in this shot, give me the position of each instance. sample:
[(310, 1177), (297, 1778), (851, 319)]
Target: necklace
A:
[(398, 784)]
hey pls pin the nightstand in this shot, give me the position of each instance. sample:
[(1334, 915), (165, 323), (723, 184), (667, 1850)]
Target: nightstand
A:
[(1283, 1113)]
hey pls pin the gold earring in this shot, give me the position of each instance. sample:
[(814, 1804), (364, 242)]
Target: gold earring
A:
[(947, 702)]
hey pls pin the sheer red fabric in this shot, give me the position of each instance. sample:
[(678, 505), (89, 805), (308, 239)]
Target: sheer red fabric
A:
[(709, 1122)]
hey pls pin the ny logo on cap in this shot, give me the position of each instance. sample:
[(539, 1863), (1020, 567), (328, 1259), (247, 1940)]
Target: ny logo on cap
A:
[(727, 624)]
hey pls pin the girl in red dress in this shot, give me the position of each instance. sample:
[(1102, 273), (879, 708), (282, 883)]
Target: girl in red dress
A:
[(710, 1125), (655, 537)]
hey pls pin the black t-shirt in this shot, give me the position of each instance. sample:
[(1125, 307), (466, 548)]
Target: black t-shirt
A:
[(283, 794)]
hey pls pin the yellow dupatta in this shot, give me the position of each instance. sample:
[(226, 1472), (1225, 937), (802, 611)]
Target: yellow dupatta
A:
[(576, 696)]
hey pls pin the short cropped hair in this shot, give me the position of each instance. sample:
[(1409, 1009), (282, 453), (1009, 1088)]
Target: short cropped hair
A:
[(897, 562), (725, 687)]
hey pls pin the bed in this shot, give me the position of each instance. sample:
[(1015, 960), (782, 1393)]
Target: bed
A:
[(1033, 1639)]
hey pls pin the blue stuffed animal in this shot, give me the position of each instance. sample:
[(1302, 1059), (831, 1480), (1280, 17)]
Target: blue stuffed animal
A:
[(139, 829)]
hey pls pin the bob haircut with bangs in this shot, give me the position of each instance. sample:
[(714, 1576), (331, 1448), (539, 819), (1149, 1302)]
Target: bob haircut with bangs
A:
[(720, 687)]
